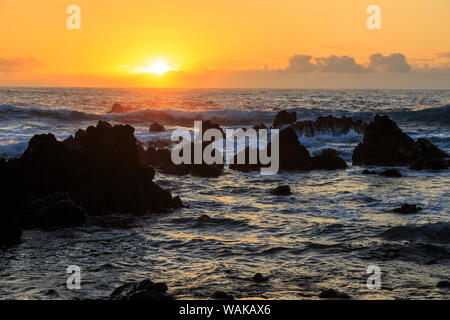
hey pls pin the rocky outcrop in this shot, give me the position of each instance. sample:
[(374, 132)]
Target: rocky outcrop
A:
[(392, 173), (118, 108), (10, 229), (259, 278), (54, 211), (407, 209), (99, 169), (156, 127), (384, 144), (284, 190), (329, 124), (284, 117), (328, 160), (293, 156), (143, 290), (333, 294)]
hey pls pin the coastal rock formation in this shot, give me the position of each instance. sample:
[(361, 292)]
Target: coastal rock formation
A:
[(328, 160), (220, 295), (55, 211), (99, 168), (284, 117), (284, 190), (294, 156), (143, 290), (329, 124), (118, 108), (259, 278), (407, 209), (384, 144), (156, 127), (10, 229), (260, 126)]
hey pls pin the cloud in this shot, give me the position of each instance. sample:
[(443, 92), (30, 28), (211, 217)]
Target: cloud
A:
[(337, 64), (301, 63), (395, 62), (18, 64)]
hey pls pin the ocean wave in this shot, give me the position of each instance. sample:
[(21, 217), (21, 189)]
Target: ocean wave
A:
[(227, 117)]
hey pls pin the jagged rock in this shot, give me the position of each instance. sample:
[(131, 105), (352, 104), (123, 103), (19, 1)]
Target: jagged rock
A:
[(329, 124), (246, 166), (55, 211), (118, 108), (259, 278), (366, 171), (156, 127), (384, 144), (99, 168), (208, 124), (333, 294), (328, 160), (407, 208), (260, 126), (394, 173), (143, 290), (284, 190), (284, 117)]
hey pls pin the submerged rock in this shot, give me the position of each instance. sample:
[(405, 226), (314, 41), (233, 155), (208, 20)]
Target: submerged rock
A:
[(366, 171), (259, 278), (10, 230), (333, 294), (407, 208), (284, 190), (118, 108), (143, 290), (328, 160), (443, 284), (284, 117), (390, 173), (220, 295), (99, 168), (156, 127), (384, 144)]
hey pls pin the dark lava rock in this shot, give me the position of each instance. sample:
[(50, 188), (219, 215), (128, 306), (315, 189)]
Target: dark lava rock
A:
[(156, 127), (208, 124), (329, 124), (391, 173), (407, 208), (55, 211), (99, 168), (10, 230), (118, 108), (143, 290), (284, 190), (366, 171), (260, 126), (292, 156), (284, 117), (328, 160), (259, 278), (333, 294), (384, 144), (220, 295), (443, 284)]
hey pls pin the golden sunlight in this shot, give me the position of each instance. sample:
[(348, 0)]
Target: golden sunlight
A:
[(159, 67)]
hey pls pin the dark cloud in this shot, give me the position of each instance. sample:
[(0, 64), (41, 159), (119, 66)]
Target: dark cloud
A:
[(395, 62), (337, 64), (344, 64), (17, 64), (301, 63)]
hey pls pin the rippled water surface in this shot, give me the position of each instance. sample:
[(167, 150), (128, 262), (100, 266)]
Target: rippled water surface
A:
[(324, 235)]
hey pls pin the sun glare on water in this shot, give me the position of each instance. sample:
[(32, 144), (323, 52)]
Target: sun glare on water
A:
[(159, 68)]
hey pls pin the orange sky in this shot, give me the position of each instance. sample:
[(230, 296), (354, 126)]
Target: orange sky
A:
[(215, 43)]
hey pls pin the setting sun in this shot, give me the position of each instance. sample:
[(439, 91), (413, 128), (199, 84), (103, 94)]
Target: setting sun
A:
[(159, 67)]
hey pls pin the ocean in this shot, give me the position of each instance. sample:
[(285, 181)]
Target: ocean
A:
[(325, 235)]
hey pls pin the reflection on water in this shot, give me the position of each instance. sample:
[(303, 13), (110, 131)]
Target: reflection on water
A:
[(322, 236)]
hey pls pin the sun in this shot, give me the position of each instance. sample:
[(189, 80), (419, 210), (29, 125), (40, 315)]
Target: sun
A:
[(159, 67)]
